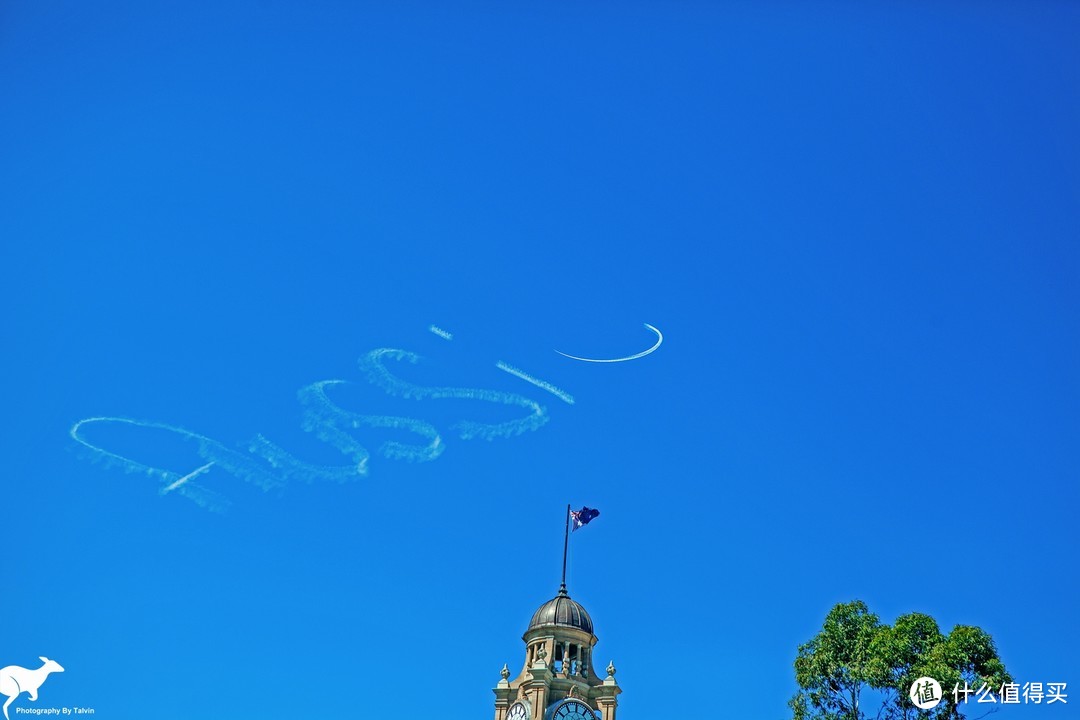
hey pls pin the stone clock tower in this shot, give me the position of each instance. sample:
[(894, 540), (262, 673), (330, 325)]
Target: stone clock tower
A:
[(559, 680)]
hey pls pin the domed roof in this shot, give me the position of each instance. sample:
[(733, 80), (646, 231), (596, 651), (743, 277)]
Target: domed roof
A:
[(561, 611)]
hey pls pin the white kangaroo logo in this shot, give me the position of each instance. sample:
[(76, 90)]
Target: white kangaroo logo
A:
[(15, 680)]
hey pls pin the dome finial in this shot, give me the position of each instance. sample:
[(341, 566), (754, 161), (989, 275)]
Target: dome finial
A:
[(562, 590)]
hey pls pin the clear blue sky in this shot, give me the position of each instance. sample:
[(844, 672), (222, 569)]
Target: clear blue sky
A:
[(855, 223)]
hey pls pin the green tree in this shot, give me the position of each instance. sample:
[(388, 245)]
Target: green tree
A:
[(842, 661), (855, 653)]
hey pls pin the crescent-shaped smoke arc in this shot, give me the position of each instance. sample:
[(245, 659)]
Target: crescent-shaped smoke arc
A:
[(659, 339)]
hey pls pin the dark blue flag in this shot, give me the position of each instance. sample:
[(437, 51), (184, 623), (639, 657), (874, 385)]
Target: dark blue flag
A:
[(583, 516)]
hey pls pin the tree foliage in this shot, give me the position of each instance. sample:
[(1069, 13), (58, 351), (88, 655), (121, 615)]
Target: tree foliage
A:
[(855, 656)]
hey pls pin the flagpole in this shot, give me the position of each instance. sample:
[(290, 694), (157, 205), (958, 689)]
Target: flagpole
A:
[(565, 545)]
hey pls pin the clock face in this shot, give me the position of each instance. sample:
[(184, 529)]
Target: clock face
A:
[(518, 711), (573, 710)]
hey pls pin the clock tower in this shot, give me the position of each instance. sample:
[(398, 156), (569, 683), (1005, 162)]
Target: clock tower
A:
[(558, 680)]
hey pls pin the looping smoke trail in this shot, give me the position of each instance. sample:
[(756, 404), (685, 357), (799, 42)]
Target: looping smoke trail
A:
[(326, 420), (293, 469), (268, 466), (440, 332), (543, 385), (372, 365), (243, 467), (635, 356), (206, 449)]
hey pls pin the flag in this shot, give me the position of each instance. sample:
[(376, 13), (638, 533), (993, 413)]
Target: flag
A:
[(583, 516)]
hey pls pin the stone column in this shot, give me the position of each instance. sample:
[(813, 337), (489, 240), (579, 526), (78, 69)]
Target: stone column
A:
[(539, 683), (502, 694), (606, 695)]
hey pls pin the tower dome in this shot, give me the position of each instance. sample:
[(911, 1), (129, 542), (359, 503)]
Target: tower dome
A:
[(561, 611), (558, 677)]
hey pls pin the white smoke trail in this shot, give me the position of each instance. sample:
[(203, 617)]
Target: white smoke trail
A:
[(237, 464), (377, 374), (643, 353), (268, 466), (293, 469), (543, 385), (194, 473), (326, 420), (440, 332), (196, 493), (207, 448)]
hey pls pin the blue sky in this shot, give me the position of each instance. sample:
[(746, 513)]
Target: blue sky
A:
[(855, 224)]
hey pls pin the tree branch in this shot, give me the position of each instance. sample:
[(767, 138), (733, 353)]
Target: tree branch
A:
[(988, 712)]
